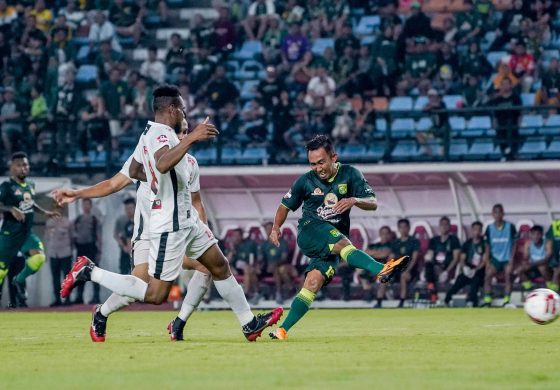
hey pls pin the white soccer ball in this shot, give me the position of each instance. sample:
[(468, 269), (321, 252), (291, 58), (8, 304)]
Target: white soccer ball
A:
[(542, 306)]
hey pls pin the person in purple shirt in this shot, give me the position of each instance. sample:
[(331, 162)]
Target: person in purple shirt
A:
[(294, 45)]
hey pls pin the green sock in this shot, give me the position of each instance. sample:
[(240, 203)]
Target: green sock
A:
[(507, 298), (32, 265), (551, 285), (487, 299), (527, 285), (299, 307), (360, 259)]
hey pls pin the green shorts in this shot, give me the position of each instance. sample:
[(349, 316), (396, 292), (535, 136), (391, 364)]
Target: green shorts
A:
[(327, 267), (317, 238), (499, 265), (10, 245)]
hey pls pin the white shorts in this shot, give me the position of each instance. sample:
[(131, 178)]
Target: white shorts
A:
[(140, 252), (168, 249)]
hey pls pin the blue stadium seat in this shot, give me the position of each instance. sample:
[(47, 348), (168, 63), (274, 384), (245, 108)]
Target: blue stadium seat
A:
[(420, 103), (405, 151), (458, 148), (483, 149), (253, 155), (457, 124), (83, 54), (401, 103), (206, 156), (552, 126), (231, 154), (367, 25), (248, 89), (553, 150), (368, 40), (547, 55), (528, 99), (321, 44), (151, 21), (452, 101), (353, 152), (494, 56), (530, 124), (80, 41), (249, 50), (250, 70), (380, 124), (375, 151), (532, 148), (86, 74), (477, 126), (424, 124), (402, 127), (232, 67)]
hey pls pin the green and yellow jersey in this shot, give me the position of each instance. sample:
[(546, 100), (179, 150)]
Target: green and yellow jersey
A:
[(22, 196)]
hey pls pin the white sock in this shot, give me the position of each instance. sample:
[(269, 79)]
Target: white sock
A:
[(125, 285), (232, 293), (197, 287), (114, 303)]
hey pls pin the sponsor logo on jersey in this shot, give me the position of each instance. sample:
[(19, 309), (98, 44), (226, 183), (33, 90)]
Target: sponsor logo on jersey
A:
[(326, 210), (156, 205), (318, 191), (162, 139), (18, 192), (342, 189)]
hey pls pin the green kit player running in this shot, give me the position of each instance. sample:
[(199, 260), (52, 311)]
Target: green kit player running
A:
[(17, 203), (327, 193)]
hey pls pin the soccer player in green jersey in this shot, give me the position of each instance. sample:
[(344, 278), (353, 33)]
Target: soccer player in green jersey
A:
[(327, 192), (17, 203)]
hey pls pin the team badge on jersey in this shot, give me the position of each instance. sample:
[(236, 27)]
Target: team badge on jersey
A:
[(342, 188), (318, 191)]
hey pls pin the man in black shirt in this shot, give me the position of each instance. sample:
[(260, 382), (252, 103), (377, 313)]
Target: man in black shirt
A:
[(475, 253), (381, 251), (507, 120)]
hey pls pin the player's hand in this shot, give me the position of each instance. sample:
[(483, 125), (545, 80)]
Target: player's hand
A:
[(344, 204), (65, 195), (204, 132), (275, 235), (54, 214), (17, 214)]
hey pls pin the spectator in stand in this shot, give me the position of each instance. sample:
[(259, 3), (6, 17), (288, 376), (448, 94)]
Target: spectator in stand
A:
[(301, 73), (504, 72), (420, 63), (60, 46), (474, 63), (38, 114), (201, 110), (254, 126), (345, 66), (440, 122), (535, 260), (60, 247), (107, 59), (113, 93), (68, 103), (152, 68), (293, 12), (418, 24), (203, 68), (61, 23), (282, 120), (43, 15), (469, 24), (276, 262), (506, 119), (475, 254), (274, 37), (258, 18), (509, 26), (380, 251), (321, 85), (5, 51), (269, 88), (156, 7), (441, 258), (95, 126), (175, 58), (11, 120), (405, 245), (502, 238), (294, 45), (127, 18), (549, 93), (225, 31), (142, 99), (522, 65), (103, 30), (219, 89), (74, 16), (124, 229), (346, 40), (384, 68), (473, 95), (243, 256), (202, 33), (8, 15), (88, 241), (230, 123), (553, 252)]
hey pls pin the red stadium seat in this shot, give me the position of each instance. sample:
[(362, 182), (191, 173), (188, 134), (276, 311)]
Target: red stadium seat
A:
[(422, 231), (256, 232), (359, 236)]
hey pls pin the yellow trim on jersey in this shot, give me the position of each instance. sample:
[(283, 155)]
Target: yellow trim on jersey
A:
[(336, 173)]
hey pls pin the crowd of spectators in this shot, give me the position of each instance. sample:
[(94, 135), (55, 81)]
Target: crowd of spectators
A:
[(45, 109)]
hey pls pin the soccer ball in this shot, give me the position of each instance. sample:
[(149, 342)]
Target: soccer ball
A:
[(542, 306)]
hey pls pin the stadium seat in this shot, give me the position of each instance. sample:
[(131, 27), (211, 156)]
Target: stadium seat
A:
[(207, 13), (552, 126), (375, 152), (457, 124), (380, 103), (424, 124), (368, 40), (83, 54), (320, 44), (528, 99), (547, 55), (163, 34), (477, 126), (453, 101), (405, 151), (530, 124), (483, 149), (248, 89), (402, 127), (250, 70), (553, 150), (353, 152), (380, 124), (249, 50), (420, 103), (255, 231), (532, 148), (359, 236), (232, 67), (401, 103), (494, 57), (458, 148), (422, 231), (86, 74), (230, 155), (367, 25), (254, 155), (142, 54), (206, 156)]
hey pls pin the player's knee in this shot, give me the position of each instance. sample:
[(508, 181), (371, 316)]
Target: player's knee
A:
[(314, 281), (36, 261)]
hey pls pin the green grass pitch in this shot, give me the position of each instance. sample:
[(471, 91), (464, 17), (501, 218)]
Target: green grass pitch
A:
[(329, 349)]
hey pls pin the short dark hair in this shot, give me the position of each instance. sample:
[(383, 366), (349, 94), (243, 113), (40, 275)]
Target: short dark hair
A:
[(445, 218), (18, 156), (320, 141), (87, 200), (404, 220), (164, 96), (385, 227), (498, 206), (538, 229), (152, 48), (477, 223), (130, 201)]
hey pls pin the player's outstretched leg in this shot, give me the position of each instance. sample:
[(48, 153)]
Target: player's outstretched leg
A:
[(231, 292), (196, 289), (32, 264)]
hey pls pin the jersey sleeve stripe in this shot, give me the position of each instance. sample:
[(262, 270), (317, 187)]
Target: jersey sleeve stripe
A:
[(161, 255), (282, 203)]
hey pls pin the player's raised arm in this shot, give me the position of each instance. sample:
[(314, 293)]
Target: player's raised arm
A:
[(99, 190)]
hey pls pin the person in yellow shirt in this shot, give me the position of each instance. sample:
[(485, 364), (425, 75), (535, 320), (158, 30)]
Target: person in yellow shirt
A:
[(43, 15)]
